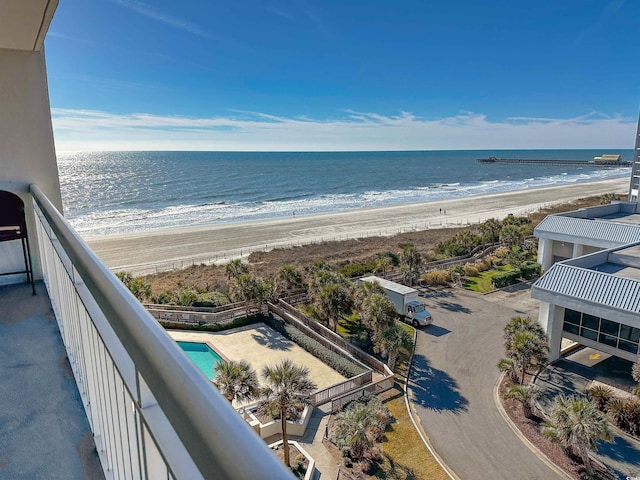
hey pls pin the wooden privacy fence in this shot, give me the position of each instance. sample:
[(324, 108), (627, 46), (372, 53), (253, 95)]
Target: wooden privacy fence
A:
[(325, 395), (297, 318), (189, 308), (380, 386), (291, 320), (198, 318)]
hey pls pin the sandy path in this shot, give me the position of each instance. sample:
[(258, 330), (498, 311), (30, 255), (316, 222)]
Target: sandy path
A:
[(148, 251)]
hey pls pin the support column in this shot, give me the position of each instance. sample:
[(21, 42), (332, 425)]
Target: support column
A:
[(545, 253), (577, 250), (551, 318)]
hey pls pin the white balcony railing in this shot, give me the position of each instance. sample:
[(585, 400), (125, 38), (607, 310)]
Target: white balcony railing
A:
[(152, 412)]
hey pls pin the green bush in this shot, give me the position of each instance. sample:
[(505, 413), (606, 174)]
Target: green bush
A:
[(357, 269), (336, 361), (530, 270), (211, 299), (506, 278)]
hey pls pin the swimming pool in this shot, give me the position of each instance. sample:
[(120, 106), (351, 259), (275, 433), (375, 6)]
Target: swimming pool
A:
[(202, 355)]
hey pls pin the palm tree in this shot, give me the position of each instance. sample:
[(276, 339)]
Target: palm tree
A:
[(526, 343), (359, 426), (288, 279), (528, 350), (524, 394), (508, 366), (378, 314), (140, 289), (393, 340), (382, 265), (246, 290), (236, 380), (411, 261), (287, 391), (577, 424), (235, 268), (333, 300), (490, 229)]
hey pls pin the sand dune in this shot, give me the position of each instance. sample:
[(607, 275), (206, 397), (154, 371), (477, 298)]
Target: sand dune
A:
[(153, 250)]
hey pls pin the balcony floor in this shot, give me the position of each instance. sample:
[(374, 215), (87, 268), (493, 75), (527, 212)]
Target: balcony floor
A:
[(44, 433)]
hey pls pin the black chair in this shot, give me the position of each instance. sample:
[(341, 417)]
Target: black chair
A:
[(13, 226)]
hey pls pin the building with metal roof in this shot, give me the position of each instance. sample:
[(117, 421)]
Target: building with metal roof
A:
[(593, 300), (590, 292), (588, 230)]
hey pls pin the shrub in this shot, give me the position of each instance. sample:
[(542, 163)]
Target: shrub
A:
[(437, 277), (357, 269), (483, 264), (471, 271), (506, 278), (625, 414), (186, 297), (211, 299), (336, 361), (163, 298), (501, 252), (601, 395), (530, 270)]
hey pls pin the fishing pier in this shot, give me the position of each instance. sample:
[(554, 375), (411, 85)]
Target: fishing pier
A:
[(605, 161)]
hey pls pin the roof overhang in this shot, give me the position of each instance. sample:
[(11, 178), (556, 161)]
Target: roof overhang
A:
[(24, 23), (577, 284)]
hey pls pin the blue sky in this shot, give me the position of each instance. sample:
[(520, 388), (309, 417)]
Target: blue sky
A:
[(343, 75)]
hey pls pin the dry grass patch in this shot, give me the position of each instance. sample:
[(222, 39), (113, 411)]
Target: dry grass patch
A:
[(406, 456)]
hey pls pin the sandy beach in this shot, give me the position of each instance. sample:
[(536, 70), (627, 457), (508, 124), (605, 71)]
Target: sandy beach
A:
[(155, 250)]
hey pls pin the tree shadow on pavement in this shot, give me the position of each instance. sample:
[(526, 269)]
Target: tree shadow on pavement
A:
[(454, 307), (619, 455), (435, 389), (271, 339)]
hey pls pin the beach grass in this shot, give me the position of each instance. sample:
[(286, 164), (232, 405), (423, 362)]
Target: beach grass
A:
[(482, 282)]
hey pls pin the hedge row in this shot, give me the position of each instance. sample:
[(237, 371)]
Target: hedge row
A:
[(336, 361), (506, 278), (530, 270)]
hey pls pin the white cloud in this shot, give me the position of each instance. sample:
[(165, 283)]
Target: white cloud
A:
[(99, 130)]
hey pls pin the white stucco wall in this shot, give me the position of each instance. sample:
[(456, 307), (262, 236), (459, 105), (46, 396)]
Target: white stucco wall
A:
[(27, 152)]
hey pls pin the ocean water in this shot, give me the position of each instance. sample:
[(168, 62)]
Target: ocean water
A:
[(121, 192)]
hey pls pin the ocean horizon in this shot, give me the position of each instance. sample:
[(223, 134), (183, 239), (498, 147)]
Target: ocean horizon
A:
[(124, 192)]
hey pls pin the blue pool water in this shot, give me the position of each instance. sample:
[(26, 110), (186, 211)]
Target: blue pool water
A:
[(204, 358)]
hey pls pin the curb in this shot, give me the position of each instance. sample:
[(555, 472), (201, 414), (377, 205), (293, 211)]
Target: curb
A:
[(425, 439), (535, 450)]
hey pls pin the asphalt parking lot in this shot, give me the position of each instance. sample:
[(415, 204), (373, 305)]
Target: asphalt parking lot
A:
[(452, 384)]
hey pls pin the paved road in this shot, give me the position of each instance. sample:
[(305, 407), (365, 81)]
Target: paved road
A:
[(452, 386)]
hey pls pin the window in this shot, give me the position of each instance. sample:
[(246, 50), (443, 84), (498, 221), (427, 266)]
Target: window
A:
[(575, 329), (590, 334), (590, 321), (628, 346), (609, 327), (608, 339), (571, 316), (602, 330), (630, 333)]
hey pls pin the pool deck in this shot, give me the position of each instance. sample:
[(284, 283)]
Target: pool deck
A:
[(260, 345)]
